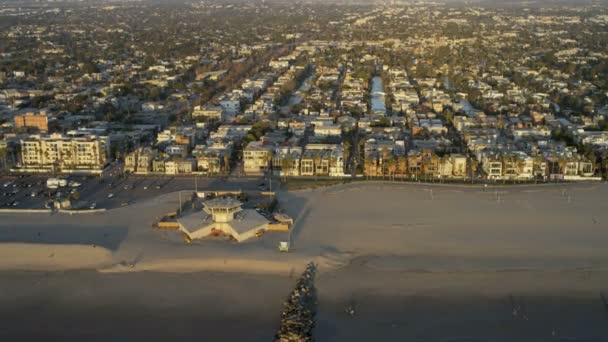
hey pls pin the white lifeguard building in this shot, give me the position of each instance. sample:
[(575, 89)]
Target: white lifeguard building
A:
[(223, 215)]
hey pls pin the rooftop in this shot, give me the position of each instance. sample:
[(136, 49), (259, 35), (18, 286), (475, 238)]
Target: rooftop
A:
[(222, 202)]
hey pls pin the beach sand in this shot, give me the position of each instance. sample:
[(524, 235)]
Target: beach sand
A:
[(142, 306), (418, 262)]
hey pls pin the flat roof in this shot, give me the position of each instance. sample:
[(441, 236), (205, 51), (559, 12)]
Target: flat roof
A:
[(222, 202)]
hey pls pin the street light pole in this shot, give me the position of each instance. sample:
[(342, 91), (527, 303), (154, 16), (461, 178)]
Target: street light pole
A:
[(180, 202)]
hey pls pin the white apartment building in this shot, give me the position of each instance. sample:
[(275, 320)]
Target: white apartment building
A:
[(64, 154), (209, 112), (257, 158)]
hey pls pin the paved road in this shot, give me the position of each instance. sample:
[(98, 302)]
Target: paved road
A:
[(111, 192)]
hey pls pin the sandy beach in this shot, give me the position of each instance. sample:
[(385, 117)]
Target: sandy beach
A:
[(142, 306), (389, 306), (418, 262)]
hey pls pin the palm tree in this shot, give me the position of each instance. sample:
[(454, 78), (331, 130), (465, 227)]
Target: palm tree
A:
[(392, 167), (316, 158), (536, 167), (506, 162), (402, 165), (347, 149), (604, 163), (3, 155), (521, 164), (473, 169), (384, 154), (268, 163), (563, 163), (368, 167), (226, 163), (286, 165)]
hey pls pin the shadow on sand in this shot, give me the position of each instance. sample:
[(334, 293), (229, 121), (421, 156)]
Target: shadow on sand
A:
[(69, 234)]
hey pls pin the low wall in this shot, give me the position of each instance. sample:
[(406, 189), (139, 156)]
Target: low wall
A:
[(49, 211), (203, 194), (25, 211), (171, 214), (84, 211), (224, 193), (278, 227), (168, 225), (83, 172), (580, 178)]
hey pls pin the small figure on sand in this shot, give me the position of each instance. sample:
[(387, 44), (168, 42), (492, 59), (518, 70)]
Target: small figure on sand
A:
[(351, 307)]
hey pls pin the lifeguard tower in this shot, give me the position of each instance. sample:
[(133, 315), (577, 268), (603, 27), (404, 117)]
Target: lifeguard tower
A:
[(224, 215)]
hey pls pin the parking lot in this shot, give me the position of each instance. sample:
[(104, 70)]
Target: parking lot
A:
[(31, 192)]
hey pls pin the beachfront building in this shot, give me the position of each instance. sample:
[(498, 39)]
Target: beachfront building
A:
[(58, 153), (223, 216), (257, 158), (179, 166), (140, 160), (508, 165), (382, 157), (569, 166), (286, 161), (517, 165), (325, 160), (173, 165), (453, 166), (213, 159)]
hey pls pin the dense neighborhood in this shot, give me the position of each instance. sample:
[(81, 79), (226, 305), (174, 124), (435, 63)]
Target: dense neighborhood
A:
[(303, 170), (521, 97)]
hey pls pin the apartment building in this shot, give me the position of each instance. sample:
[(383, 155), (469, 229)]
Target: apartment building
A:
[(257, 157), (182, 135), (453, 166), (286, 161), (140, 160), (180, 166), (209, 112), (59, 153), (213, 159), (38, 121)]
